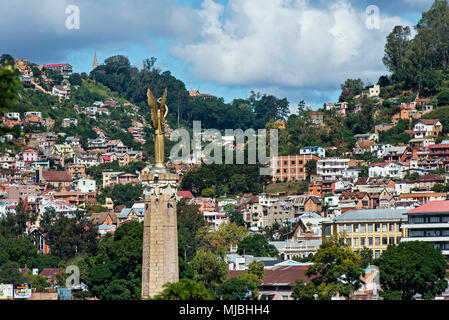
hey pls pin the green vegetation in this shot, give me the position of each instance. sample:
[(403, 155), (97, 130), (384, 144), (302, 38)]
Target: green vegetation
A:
[(411, 268)]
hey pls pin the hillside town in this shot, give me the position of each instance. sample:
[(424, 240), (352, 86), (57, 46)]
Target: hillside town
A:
[(375, 204), (351, 203)]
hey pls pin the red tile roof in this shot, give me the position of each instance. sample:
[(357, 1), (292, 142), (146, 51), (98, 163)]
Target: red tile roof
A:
[(185, 194), (57, 176), (55, 65), (432, 207), (285, 275)]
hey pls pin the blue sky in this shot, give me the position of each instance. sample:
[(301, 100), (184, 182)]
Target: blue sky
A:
[(297, 49)]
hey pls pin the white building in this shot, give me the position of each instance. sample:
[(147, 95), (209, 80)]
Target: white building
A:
[(85, 185), (318, 151), (427, 128), (332, 168), (385, 169)]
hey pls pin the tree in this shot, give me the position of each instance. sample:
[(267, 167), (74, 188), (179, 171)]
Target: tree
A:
[(210, 270), (126, 194), (366, 256), (443, 98), (396, 49), (235, 289), (257, 245), (311, 167), (115, 273), (185, 289), (411, 268), (75, 79), (336, 268), (6, 60), (190, 220), (69, 235), (220, 240), (303, 290), (233, 215)]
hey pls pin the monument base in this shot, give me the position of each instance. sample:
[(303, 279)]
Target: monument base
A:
[(160, 232)]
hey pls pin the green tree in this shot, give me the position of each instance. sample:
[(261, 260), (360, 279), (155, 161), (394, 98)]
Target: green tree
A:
[(210, 269), (185, 289), (190, 220), (411, 268), (257, 245), (69, 235), (235, 289), (115, 273), (366, 256), (336, 268), (396, 49)]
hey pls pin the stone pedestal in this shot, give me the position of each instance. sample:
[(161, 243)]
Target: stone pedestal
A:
[(160, 234)]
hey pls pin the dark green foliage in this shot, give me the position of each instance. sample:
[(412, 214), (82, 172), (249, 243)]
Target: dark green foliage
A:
[(69, 235), (126, 194), (185, 289), (257, 245), (235, 289), (230, 179), (411, 268), (116, 271), (396, 134), (366, 256), (190, 220)]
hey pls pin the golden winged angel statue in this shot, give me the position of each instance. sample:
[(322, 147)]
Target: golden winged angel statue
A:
[(158, 123)]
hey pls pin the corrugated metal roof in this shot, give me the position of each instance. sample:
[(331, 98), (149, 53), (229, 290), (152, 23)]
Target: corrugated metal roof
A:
[(373, 214)]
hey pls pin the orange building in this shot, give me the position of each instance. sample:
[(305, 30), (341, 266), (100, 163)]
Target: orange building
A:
[(290, 168)]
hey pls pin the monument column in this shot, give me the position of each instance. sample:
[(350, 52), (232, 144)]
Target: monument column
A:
[(160, 233)]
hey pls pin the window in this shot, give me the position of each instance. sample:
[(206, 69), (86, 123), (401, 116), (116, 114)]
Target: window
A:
[(348, 228), (377, 227), (340, 228), (384, 241), (356, 241), (445, 219), (348, 241), (370, 228), (356, 227), (284, 297), (370, 241), (384, 227), (363, 228), (376, 254), (293, 170), (377, 241), (362, 241), (391, 240), (434, 219), (285, 162), (391, 227), (293, 162)]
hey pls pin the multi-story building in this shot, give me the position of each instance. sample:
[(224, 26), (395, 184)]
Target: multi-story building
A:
[(372, 228), (63, 68), (290, 168), (430, 223), (427, 128), (318, 151), (385, 169), (332, 168)]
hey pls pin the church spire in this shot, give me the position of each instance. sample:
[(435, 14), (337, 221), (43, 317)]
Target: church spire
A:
[(95, 63)]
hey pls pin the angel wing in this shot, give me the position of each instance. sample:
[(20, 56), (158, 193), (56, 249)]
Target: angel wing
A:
[(153, 107), (164, 109)]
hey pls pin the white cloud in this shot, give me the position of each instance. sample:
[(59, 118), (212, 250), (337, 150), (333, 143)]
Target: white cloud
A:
[(285, 44)]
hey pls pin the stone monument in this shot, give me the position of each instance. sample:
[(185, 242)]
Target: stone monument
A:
[(160, 233)]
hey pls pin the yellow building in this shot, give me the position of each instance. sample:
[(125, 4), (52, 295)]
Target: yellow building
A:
[(107, 177), (371, 228)]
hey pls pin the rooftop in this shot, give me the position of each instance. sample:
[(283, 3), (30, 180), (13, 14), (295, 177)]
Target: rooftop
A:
[(432, 207), (372, 214)]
